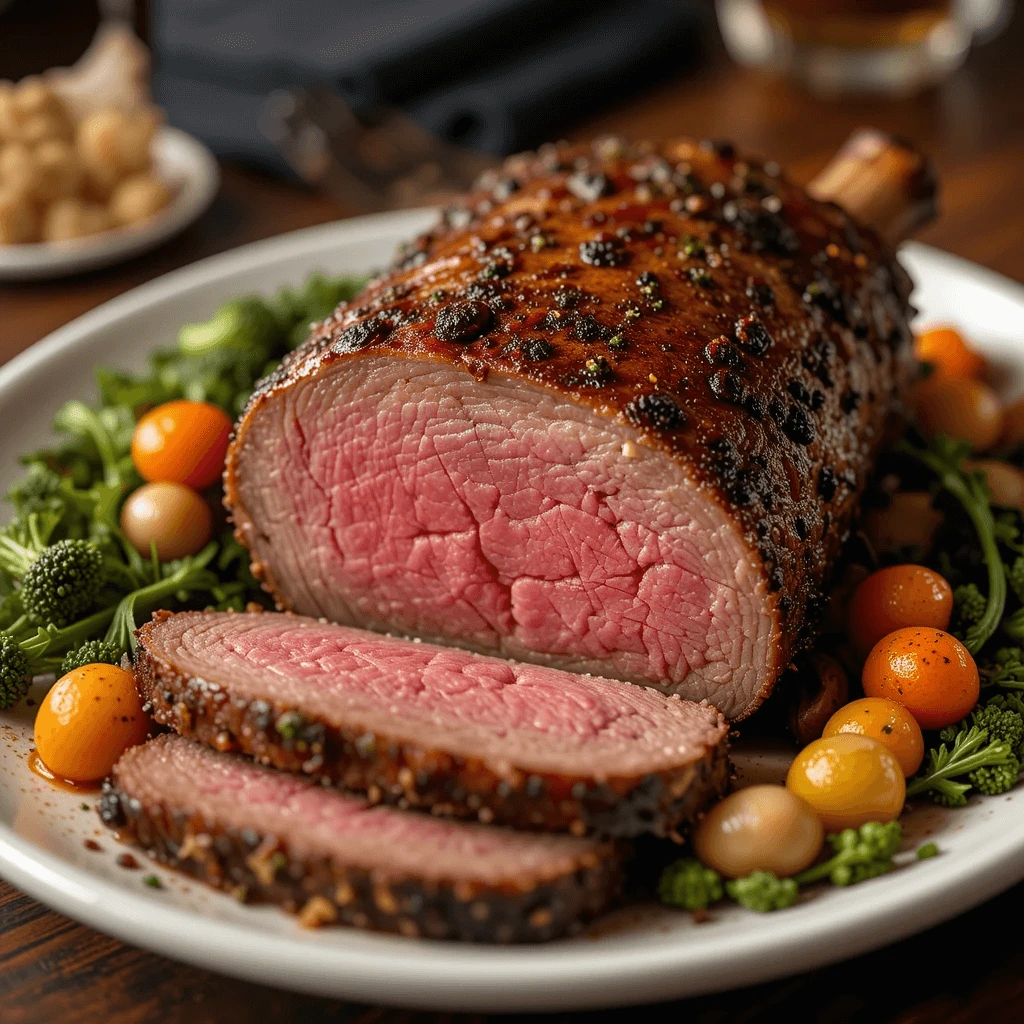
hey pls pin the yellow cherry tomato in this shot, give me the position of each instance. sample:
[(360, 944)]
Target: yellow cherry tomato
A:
[(960, 407), (928, 671), (945, 349), (171, 516), (90, 717), (898, 596), (848, 780), (182, 442), (883, 720), (766, 828)]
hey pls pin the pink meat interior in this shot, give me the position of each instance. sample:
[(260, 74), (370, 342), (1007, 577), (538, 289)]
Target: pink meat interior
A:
[(403, 494), (180, 775), (507, 713)]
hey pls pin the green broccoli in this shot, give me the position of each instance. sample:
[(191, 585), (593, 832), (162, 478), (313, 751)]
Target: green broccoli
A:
[(971, 750), (1015, 577), (15, 671), (927, 851), (991, 780), (92, 652), (243, 324), (36, 491), (763, 891), (44, 647), (63, 582), (689, 884), (970, 604), (1000, 720), (1006, 669), (858, 854), (59, 582)]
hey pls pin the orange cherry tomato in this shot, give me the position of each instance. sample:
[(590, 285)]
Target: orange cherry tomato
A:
[(848, 780), (90, 717), (960, 407), (886, 721), (183, 443), (901, 595), (926, 670), (945, 349)]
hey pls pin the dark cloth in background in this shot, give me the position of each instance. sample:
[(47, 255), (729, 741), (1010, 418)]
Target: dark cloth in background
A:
[(493, 75)]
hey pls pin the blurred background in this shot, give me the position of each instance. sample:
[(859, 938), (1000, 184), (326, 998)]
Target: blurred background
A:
[(398, 102)]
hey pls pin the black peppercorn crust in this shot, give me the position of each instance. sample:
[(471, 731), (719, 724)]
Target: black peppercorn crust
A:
[(260, 868), (742, 326), (392, 771)]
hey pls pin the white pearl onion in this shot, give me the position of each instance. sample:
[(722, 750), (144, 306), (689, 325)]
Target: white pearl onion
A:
[(765, 828)]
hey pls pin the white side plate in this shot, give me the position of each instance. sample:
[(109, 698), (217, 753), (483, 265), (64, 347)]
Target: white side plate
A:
[(189, 169), (644, 954)]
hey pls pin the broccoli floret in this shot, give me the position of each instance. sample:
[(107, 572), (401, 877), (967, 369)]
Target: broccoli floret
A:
[(92, 652), (927, 851), (858, 854), (243, 324), (763, 891), (971, 750), (15, 673), (996, 778), (1002, 723), (1007, 669), (689, 884), (970, 604), (38, 489), (63, 582), (1015, 576)]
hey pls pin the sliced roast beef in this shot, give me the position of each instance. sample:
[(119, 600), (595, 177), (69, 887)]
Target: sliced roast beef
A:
[(435, 727), (267, 836), (617, 427)]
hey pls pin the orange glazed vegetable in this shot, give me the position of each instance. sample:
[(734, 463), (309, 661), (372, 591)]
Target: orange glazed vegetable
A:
[(928, 671), (945, 349), (182, 442), (88, 719), (963, 408), (886, 721), (901, 595), (848, 780)]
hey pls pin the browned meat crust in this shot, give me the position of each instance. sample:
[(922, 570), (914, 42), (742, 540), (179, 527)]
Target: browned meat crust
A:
[(261, 869), (406, 775), (756, 333)]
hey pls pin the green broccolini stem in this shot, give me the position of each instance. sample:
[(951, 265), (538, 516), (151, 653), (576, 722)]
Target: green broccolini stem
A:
[(78, 417), (964, 757), (200, 338), (971, 494)]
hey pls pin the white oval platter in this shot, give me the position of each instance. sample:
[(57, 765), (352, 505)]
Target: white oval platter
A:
[(646, 954)]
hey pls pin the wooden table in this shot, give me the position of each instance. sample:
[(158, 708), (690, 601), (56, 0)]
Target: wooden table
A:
[(52, 969)]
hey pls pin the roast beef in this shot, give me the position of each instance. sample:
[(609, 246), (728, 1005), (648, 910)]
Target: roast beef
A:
[(613, 415), (435, 727), (267, 836)]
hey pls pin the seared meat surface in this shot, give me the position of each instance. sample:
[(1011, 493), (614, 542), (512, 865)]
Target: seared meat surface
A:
[(435, 727), (613, 415), (270, 837)]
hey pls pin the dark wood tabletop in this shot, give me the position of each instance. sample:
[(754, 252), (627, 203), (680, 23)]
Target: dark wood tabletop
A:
[(968, 970)]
